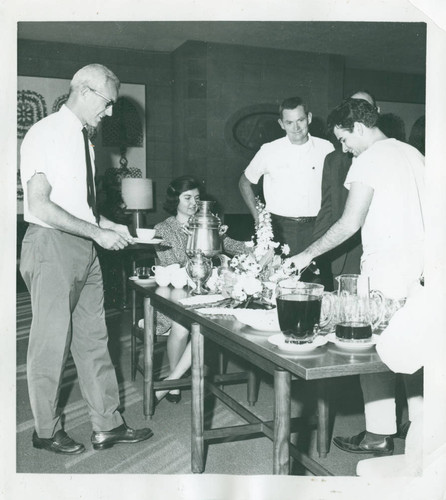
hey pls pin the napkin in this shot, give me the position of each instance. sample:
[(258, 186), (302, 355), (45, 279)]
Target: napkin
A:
[(218, 311), (200, 299)]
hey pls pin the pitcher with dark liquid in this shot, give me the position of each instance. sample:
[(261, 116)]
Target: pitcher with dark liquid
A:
[(299, 310), (359, 310)]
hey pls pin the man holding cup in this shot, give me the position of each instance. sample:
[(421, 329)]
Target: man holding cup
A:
[(60, 267)]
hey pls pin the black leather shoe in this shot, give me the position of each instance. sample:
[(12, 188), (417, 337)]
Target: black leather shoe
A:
[(363, 444), (173, 398), (122, 434), (59, 443)]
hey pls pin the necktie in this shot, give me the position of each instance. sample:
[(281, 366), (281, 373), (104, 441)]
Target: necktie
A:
[(91, 197)]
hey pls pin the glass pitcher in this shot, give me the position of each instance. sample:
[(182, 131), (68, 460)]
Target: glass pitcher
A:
[(359, 310), (299, 310)]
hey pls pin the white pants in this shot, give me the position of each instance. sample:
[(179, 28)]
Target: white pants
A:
[(379, 400)]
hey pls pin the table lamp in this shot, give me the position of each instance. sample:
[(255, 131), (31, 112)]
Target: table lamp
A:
[(137, 195)]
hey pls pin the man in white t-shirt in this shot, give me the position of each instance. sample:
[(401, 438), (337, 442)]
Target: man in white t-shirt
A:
[(386, 186), (292, 171)]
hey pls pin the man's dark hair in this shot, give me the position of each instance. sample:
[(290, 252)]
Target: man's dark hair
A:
[(351, 111), (292, 103)]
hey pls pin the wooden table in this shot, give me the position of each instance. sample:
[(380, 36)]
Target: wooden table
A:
[(325, 363)]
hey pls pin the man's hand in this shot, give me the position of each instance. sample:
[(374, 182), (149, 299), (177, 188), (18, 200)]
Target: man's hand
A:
[(111, 240), (124, 232), (119, 228), (299, 261)]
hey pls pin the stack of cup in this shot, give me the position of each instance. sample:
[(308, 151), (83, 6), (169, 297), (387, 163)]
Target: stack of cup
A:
[(173, 274)]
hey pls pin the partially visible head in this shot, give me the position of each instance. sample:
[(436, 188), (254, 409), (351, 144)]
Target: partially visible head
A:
[(417, 134), (182, 195), (93, 91), (350, 122), (295, 119), (392, 126), (366, 96)]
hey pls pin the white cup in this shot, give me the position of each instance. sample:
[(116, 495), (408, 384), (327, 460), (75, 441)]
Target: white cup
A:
[(162, 275), (145, 234), (172, 268), (178, 277)]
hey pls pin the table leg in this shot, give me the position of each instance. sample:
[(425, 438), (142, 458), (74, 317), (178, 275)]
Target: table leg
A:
[(197, 441), (149, 332), (282, 414), (124, 284), (133, 360), (323, 419), (124, 278), (252, 387)]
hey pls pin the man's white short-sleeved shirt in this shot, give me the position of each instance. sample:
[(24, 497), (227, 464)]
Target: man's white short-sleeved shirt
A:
[(292, 175), (55, 147), (393, 231)]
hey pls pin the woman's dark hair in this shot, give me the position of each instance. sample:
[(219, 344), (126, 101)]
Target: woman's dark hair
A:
[(175, 188)]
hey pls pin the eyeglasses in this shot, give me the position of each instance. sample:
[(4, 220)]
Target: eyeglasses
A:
[(109, 102)]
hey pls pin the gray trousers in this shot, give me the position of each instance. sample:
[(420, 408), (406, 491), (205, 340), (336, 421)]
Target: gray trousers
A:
[(64, 278)]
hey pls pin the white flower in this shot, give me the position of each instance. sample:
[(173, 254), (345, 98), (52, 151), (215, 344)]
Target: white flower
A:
[(285, 249), (238, 293), (259, 264), (251, 285)]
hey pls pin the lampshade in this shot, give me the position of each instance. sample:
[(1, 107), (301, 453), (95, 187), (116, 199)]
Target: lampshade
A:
[(137, 193)]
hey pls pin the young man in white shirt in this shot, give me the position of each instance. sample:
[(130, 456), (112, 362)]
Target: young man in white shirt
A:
[(385, 200)]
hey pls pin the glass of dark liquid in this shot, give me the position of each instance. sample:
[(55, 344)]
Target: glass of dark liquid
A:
[(360, 310), (299, 311), (142, 273)]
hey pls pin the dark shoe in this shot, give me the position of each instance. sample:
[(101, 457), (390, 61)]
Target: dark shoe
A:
[(59, 443), (173, 398), (363, 444), (403, 430), (122, 434)]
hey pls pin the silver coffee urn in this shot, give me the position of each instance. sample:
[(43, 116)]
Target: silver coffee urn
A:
[(203, 243)]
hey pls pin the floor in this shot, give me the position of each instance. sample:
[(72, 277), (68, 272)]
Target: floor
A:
[(168, 452)]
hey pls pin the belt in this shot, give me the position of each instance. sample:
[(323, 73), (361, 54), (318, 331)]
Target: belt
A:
[(299, 220)]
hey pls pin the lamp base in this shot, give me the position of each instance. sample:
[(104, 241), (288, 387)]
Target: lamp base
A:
[(138, 220)]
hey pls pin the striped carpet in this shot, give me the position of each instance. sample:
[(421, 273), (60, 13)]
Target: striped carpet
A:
[(168, 452)]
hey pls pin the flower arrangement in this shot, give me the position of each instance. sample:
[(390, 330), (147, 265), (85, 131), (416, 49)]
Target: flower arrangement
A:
[(256, 272)]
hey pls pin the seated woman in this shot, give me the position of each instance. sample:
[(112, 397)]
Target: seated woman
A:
[(181, 201)]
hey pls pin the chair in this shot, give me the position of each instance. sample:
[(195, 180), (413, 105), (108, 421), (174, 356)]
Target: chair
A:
[(160, 344)]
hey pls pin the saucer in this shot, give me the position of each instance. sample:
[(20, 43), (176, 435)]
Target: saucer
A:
[(147, 281), (353, 346), (279, 341), (153, 241)]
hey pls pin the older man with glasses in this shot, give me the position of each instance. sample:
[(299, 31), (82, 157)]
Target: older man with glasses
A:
[(60, 267)]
